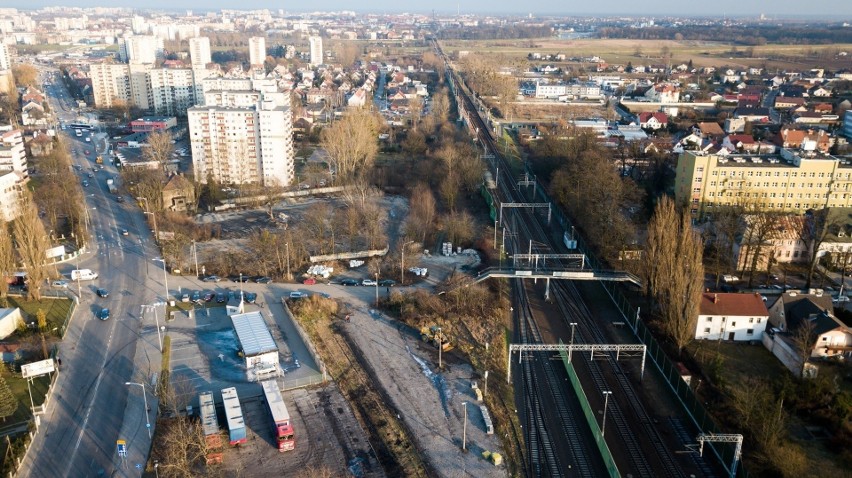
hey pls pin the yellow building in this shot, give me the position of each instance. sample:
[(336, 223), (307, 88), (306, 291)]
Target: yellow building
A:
[(792, 181)]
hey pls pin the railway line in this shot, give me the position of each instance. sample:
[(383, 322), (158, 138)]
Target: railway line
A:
[(634, 433)]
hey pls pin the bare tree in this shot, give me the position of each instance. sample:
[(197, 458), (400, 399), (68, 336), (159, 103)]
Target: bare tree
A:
[(7, 257), (677, 279), (352, 143), (32, 242), (159, 149), (761, 228), (415, 110), (459, 227), (421, 216), (804, 338), (817, 225)]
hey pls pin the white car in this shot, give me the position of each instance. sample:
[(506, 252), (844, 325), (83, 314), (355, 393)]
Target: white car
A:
[(840, 299), (297, 295), (60, 284), (368, 282)]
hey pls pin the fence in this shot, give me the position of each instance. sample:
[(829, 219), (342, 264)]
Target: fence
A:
[(606, 455), (687, 398), (306, 340)]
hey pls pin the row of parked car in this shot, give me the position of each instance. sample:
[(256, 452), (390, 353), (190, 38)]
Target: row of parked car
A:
[(367, 282), (219, 297), (257, 279)]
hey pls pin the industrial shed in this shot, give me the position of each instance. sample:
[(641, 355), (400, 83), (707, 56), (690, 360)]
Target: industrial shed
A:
[(257, 345)]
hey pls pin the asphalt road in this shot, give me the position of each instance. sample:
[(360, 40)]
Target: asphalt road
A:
[(79, 432)]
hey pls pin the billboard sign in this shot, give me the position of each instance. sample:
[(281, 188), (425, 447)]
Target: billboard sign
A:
[(37, 369), (57, 251)]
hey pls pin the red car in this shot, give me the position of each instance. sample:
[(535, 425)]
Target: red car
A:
[(310, 281)]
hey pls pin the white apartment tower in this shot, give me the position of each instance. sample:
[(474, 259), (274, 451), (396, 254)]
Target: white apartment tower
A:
[(199, 51), (5, 56), (238, 145), (110, 82), (172, 91), (316, 51), (13, 155), (257, 51), (140, 48)]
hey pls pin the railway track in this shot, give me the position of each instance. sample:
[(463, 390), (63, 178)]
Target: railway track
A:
[(627, 415)]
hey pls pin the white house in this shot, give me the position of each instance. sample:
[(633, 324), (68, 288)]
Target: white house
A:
[(737, 317)]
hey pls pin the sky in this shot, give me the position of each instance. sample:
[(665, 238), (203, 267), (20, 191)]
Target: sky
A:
[(837, 9)]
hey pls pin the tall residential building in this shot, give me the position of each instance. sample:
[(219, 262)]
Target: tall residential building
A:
[(139, 25), (110, 82), (11, 184), (199, 51), (140, 48), (257, 51), (13, 155), (238, 145), (5, 56), (792, 181), (316, 51), (847, 124), (172, 91)]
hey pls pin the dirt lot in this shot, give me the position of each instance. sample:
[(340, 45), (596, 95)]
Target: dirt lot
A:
[(328, 439)]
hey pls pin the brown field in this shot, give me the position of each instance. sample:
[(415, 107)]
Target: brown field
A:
[(620, 51)]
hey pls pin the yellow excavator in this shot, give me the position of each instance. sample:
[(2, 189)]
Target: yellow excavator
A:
[(435, 336)]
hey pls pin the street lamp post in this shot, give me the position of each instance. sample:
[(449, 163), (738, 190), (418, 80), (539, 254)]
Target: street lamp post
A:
[(145, 399), (195, 253), (157, 321), (165, 276), (287, 245), (464, 428), (402, 264), (606, 394), (377, 289), (440, 336)]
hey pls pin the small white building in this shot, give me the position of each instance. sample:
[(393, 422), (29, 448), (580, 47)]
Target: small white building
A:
[(257, 346), (9, 320), (736, 317)]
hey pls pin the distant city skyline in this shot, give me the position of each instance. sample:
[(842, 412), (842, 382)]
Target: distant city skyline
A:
[(837, 9)]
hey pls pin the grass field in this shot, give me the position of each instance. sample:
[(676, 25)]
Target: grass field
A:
[(621, 51), (19, 389), (56, 309)]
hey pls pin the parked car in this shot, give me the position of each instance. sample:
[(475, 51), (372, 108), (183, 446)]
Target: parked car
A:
[(61, 284), (840, 299), (211, 279), (251, 297), (263, 280), (196, 296), (184, 297), (209, 296), (369, 282), (309, 281), (387, 283), (348, 282), (102, 293), (125, 232), (221, 298), (103, 314), (297, 295)]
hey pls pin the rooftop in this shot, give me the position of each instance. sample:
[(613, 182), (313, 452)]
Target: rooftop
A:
[(732, 305), (253, 334)]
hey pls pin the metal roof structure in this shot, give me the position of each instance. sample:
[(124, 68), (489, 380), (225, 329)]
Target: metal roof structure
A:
[(233, 411), (209, 422), (253, 334)]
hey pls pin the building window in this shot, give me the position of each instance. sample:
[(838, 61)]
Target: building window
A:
[(749, 331), (709, 319), (751, 320), (707, 330)]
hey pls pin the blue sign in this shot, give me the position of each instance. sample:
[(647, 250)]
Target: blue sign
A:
[(139, 466), (122, 448)]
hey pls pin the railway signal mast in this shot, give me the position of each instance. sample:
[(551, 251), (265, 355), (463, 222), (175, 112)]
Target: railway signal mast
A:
[(723, 438)]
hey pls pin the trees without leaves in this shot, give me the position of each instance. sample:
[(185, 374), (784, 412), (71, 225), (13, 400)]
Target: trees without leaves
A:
[(352, 143), (677, 277), (159, 149), (421, 216), (7, 257), (25, 75), (32, 242)]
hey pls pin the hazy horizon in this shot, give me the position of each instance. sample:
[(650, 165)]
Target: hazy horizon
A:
[(720, 8)]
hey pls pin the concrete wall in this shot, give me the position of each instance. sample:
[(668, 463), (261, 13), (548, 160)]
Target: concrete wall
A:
[(788, 356)]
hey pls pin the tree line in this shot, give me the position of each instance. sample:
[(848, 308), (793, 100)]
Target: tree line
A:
[(739, 34)]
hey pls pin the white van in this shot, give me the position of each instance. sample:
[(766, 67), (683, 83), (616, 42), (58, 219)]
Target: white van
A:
[(83, 274)]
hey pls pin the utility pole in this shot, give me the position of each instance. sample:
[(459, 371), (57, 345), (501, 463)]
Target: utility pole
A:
[(464, 428), (287, 245), (606, 393)]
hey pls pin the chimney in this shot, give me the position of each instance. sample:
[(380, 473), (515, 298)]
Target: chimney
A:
[(715, 298)]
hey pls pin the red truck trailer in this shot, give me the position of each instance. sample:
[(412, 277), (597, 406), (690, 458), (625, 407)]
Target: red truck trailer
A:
[(280, 416)]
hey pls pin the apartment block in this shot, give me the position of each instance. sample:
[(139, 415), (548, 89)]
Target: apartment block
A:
[(792, 181), (238, 145), (11, 183), (172, 91), (5, 56), (257, 51), (199, 51), (140, 48), (316, 51), (110, 83), (13, 154)]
